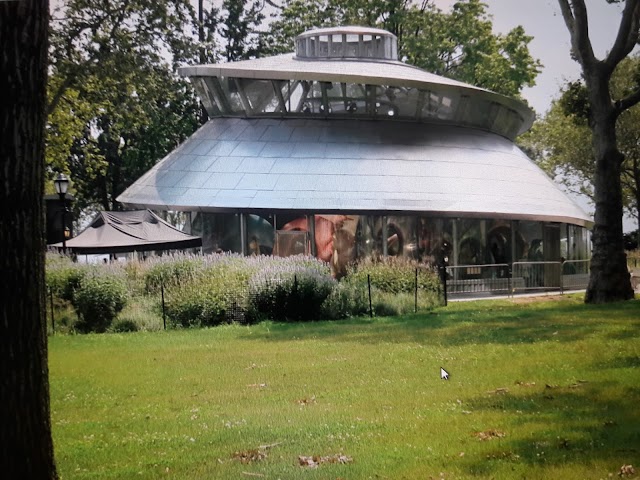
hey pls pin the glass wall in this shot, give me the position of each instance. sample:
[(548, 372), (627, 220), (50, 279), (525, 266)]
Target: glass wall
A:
[(471, 243), (260, 234), (575, 244), (342, 239), (434, 239), (220, 232), (532, 248), (258, 97)]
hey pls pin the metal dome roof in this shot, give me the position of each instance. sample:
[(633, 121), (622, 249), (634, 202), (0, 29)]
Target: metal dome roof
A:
[(333, 165)]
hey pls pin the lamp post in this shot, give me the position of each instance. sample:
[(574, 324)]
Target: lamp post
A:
[(61, 184)]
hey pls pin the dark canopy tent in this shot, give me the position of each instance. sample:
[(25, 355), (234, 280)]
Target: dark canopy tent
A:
[(132, 231)]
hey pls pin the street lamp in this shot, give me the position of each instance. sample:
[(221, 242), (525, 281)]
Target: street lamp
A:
[(61, 184)]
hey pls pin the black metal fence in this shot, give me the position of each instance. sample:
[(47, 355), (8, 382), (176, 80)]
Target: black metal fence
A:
[(518, 277)]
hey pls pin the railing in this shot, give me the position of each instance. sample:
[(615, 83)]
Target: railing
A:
[(575, 274), (502, 278), (539, 276), (492, 278)]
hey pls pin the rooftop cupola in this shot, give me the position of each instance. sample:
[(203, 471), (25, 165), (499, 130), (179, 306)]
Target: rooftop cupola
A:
[(347, 42)]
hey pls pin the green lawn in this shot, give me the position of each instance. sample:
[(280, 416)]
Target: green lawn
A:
[(538, 389)]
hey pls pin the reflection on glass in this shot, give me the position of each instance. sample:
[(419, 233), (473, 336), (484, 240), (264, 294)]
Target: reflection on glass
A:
[(260, 235), (401, 236), (435, 240), (256, 97), (342, 239), (220, 232), (472, 241)]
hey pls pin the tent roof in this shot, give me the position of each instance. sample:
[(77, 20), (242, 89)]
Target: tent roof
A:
[(131, 231)]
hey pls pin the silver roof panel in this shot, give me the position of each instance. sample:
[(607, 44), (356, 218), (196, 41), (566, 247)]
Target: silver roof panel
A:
[(359, 166)]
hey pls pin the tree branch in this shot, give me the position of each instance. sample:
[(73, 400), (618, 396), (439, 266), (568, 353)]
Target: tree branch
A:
[(575, 17), (627, 36), (627, 102)]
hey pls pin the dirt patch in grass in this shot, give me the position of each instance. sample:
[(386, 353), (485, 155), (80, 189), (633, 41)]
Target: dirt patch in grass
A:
[(545, 298), (489, 434)]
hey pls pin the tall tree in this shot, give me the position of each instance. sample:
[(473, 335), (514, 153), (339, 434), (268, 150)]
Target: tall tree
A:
[(116, 103), (458, 44), (561, 141), (238, 26), (609, 279), (26, 447)]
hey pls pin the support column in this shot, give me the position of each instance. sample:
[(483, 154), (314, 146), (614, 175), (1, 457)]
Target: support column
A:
[(514, 228), (311, 224), (243, 234), (454, 234), (385, 237)]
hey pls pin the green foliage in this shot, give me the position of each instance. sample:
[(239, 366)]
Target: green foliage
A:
[(203, 291), (562, 143), (115, 103), (385, 309), (345, 300), (171, 272), (394, 275), (63, 277), (237, 25), (207, 299), (296, 294), (124, 326), (458, 44), (98, 301)]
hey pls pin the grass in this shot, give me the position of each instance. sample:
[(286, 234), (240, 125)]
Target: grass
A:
[(538, 389)]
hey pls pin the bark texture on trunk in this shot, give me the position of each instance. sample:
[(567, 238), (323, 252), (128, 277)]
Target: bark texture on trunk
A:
[(609, 280), (26, 447)]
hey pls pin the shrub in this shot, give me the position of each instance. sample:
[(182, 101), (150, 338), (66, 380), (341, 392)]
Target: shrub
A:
[(345, 300), (385, 309), (125, 325), (63, 277), (195, 307), (209, 298), (289, 292), (394, 275), (98, 301), (171, 271)]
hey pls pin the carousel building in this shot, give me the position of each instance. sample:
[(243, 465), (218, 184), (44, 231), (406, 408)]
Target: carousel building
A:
[(342, 151)]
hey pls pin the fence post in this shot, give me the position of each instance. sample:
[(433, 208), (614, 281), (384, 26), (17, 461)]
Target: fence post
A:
[(443, 276), (369, 285), (510, 284), (415, 306), (164, 317), (561, 279), (53, 320)]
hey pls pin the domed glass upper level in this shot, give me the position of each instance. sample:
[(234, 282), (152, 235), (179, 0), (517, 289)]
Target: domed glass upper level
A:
[(351, 72)]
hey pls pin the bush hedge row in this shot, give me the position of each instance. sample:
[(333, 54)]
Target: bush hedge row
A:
[(203, 291)]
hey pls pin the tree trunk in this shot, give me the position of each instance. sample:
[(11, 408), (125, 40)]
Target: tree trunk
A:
[(26, 448), (609, 280)]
